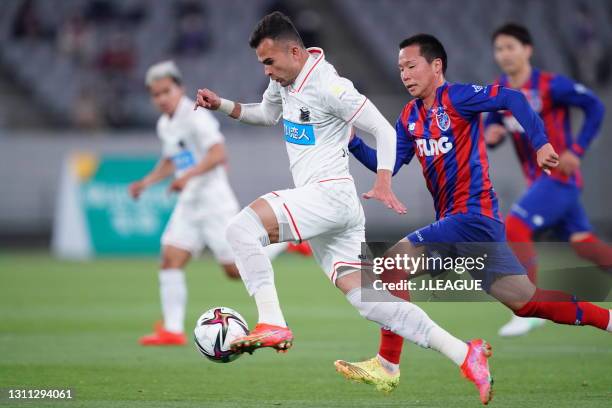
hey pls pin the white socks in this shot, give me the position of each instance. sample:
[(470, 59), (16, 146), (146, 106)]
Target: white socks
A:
[(453, 348), (173, 294), (247, 237), (409, 321), (268, 306)]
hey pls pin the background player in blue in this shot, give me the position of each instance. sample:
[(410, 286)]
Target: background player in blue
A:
[(551, 95), (442, 127)]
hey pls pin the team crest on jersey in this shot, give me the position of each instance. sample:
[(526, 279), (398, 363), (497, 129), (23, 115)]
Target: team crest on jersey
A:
[(304, 114), (443, 120)]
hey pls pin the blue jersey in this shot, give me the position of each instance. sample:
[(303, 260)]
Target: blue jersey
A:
[(448, 141)]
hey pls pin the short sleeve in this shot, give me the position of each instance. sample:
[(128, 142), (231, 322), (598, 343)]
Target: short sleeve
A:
[(206, 128), (343, 100)]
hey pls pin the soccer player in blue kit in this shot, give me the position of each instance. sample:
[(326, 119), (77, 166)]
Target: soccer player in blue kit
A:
[(551, 96), (442, 127)]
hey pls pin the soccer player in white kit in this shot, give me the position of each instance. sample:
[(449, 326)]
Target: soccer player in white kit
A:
[(318, 108), (193, 151)]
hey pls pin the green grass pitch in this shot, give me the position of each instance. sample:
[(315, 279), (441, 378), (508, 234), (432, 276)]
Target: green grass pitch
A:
[(73, 324)]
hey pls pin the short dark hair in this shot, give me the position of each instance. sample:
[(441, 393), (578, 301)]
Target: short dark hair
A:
[(429, 46), (514, 30), (275, 25)]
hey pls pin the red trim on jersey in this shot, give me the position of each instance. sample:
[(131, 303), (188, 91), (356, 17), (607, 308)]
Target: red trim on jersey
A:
[(319, 58), (419, 129), (577, 149), (486, 203), (333, 179), (494, 90), (438, 160), (358, 110), (294, 224), (463, 148), (275, 193)]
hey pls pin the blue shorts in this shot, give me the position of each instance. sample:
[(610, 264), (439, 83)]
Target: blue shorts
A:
[(549, 203), (473, 235)]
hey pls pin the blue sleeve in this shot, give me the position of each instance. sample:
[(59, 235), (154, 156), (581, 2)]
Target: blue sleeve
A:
[(367, 155), (470, 100), (564, 91)]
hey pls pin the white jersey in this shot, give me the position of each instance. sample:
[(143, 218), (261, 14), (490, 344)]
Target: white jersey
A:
[(186, 137), (318, 109)]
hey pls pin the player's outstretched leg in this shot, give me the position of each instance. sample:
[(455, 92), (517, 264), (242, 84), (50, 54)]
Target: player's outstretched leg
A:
[(413, 324), (525, 300), (247, 236)]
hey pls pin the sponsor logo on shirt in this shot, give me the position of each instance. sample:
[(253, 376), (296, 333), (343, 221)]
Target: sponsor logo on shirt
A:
[(183, 160), (433, 147), (297, 133)]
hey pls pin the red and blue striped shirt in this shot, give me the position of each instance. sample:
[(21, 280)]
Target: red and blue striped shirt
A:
[(449, 144), (551, 96)]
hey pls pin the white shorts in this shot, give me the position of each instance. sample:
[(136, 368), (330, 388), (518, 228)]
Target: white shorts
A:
[(329, 215), (192, 229)]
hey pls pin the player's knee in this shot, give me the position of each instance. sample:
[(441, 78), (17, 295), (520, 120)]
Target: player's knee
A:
[(517, 230), (173, 258), (246, 227)]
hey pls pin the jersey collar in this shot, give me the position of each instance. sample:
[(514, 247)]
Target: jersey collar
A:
[(316, 56)]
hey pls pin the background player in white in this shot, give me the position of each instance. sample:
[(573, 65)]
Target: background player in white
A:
[(193, 151), (318, 108)]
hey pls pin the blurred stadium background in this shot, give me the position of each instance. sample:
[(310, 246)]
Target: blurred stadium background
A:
[(72, 81)]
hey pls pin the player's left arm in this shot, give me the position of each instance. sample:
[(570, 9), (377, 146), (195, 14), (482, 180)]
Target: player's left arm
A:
[(473, 99), (564, 91), (214, 157), (345, 102)]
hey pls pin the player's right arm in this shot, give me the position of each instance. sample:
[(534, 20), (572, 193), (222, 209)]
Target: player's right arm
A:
[(367, 156), (473, 99), (266, 113), (162, 170)]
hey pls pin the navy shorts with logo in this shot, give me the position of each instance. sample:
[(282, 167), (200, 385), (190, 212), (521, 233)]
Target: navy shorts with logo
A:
[(473, 235)]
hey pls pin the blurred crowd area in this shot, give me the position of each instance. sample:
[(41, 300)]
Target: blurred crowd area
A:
[(81, 63), (84, 60)]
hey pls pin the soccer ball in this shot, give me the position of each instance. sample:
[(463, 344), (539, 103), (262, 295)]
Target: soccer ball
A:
[(214, 332)]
